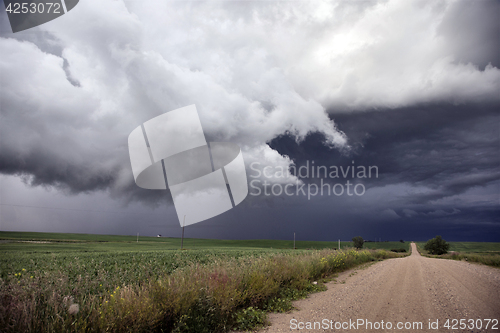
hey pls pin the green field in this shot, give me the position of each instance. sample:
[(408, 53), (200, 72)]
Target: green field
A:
[(470, 247), (478, 252), (130, 260), (119, 284), (386, 245), (58, 242)]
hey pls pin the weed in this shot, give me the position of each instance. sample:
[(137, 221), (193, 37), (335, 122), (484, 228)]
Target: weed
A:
[(195, 291)]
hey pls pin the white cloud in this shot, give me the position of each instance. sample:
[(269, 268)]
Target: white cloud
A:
[(354, 56)]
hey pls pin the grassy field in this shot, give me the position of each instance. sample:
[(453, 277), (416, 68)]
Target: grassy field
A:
[(120, 254), (76, 282), (471, 247), (479, 252), (386, 245), (55, 242)]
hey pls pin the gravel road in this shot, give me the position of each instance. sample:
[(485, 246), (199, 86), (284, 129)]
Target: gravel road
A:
[(405, 290)]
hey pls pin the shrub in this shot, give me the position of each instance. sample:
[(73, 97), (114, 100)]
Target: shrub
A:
[(358, 242), (381, 254), (437, 246), (398, 250), (249, 318)]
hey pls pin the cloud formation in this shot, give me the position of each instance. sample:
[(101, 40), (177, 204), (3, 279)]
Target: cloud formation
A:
[(74, 88)]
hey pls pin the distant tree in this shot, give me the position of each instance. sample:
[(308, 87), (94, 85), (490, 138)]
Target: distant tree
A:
[(358, 242), (402, 241), (437, 246)]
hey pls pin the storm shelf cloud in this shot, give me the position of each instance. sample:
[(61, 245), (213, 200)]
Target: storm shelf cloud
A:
[(411, 87)]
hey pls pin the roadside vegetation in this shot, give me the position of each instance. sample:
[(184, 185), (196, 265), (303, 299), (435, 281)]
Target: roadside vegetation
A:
[(203, 290), (479, 252), (437, 245), (358, 242)]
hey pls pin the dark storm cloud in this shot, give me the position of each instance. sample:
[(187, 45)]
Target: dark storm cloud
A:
[(441, 147), (415, 144), (441, 163)]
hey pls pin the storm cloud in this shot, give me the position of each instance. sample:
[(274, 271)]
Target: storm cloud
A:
[(409, 86)]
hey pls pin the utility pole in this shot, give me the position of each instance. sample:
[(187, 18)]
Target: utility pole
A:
[(339, 244), (137, 237), (182, 239), (294, 240)]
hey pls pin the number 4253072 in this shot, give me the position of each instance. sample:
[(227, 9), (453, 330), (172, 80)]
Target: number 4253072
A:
[(455, 324), (41, 8)]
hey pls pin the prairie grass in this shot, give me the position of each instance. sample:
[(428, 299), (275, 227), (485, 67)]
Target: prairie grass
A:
[(486, 258), (483, 258), (470, 247), (216, 294)]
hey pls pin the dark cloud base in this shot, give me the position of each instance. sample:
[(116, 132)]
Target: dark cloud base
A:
[(447, 149)]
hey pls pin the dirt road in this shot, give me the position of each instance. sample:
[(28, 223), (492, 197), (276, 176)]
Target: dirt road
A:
[(401, 291)]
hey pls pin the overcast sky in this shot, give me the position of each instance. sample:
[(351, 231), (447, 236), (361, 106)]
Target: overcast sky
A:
[(411, 88)]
